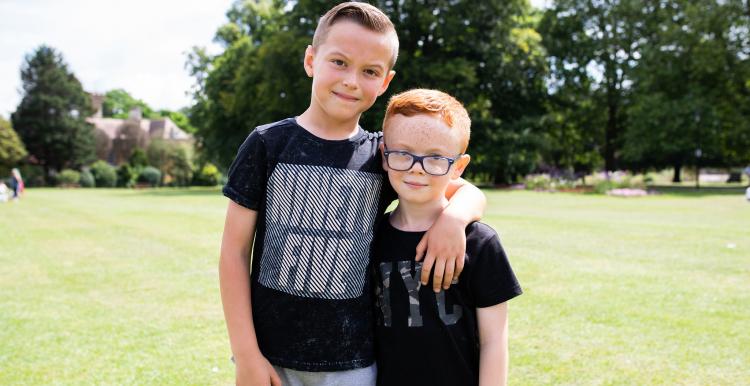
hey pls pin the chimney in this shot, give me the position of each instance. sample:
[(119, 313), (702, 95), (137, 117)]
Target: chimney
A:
[(96, 102), (135, 114)]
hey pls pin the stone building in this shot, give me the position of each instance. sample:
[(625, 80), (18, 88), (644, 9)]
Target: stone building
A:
[(117, 138)]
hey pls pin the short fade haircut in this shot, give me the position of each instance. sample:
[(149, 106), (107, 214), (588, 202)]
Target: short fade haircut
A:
[(363, 14), (435, 103)]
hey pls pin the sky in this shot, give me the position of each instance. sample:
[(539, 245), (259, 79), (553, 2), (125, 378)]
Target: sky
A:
[(136, 45)]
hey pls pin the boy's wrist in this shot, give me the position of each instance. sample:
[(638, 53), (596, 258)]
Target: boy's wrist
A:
[(457, 219)]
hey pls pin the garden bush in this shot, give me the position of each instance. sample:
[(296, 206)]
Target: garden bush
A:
[(68, 177), (104, 174), (126, 176), (87, 179), (208, 175), (150, 175)]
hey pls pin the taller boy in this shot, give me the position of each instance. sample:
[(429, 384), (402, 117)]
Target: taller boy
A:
[(308, 191)]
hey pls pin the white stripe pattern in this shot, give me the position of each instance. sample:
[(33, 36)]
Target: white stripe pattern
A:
[(319, 225)]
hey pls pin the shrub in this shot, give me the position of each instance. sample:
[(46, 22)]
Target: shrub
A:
[(126, 176), (87, 179), (138, 159), (104, 174), (208, 175), (68, 177), (150, 175), (33, 175)]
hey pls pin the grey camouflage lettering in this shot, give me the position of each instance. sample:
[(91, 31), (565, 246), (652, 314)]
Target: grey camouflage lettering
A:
[(412, 285), (384, 292)]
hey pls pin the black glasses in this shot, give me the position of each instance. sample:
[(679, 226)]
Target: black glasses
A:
[(402, 161)]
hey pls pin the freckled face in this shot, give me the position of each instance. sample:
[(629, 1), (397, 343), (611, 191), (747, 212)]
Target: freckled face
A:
[(422, 135), (350, 69)]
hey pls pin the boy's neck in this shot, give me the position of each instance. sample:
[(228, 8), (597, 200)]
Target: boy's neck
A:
[(321, 125), (417, 217)]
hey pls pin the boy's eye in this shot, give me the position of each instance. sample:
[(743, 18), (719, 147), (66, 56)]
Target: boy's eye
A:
[(371, 72), (338, 62)]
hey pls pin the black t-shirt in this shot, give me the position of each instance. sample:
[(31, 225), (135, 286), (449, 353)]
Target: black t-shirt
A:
[(424, 338), (318, 202)]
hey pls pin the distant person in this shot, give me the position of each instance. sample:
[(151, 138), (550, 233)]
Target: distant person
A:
[(16, 184), (747, 193), (309, 191), (458, 336), (3, 192)]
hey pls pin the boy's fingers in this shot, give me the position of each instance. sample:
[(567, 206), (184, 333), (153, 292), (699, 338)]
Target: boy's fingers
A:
[(448, 277), (421, 247), (429, 260), (437, 280), (459, 268), (275, 380)]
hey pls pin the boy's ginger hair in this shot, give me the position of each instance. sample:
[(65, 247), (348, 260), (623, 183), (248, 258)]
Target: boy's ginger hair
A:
[(363, 14), (432, 102)]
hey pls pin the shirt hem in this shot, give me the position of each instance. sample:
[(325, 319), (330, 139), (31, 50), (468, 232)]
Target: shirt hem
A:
[(321, 366)]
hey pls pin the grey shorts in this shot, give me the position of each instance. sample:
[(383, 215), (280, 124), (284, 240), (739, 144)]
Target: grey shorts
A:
[(365, 376)]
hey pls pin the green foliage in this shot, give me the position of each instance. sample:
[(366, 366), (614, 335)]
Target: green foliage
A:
[(207, 175), (172, 160), (545, 182), (87, 179), (33, 175), (118, 103), (51, 116), (180, 119), (451, 46), (11, 148), (104, 174), (126, 175), (138, 158), (689, 92), (150, 175), (68, 177)]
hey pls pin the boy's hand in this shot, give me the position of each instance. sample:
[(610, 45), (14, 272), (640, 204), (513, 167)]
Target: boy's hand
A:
[(256, 372), (444, 245)]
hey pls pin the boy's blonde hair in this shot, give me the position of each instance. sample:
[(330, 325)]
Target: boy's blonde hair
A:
[(432, 102), (363, 14)]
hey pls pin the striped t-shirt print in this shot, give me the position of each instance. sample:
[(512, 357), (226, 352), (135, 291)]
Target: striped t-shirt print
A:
[(319, 225)]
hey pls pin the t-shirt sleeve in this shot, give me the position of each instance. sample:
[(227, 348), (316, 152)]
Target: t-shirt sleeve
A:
[(492, 278), (246, 182)]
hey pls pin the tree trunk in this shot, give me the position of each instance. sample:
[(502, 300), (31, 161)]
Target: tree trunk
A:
[(610, 135), (677, 170)]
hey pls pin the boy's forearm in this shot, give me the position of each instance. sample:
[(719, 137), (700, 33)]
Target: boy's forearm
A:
[(466, 202), (234, 279), (493, 363), (234, 284)]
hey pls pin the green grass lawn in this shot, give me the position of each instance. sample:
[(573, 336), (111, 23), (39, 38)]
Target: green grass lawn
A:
[(120, 287)]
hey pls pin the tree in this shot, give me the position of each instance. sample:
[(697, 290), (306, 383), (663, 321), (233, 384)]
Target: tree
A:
[(593, 47), (118, 103), (172, 160), (690, 100), (12, 149), (51, 116), (487, 54)]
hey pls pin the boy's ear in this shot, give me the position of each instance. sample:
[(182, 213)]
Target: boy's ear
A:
[(386, 82), (461, 163), (308, 60)]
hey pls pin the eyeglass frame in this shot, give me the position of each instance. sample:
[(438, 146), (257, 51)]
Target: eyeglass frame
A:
[(418, 158)]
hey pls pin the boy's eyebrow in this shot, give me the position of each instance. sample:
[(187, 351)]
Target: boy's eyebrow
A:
[(339, 53)]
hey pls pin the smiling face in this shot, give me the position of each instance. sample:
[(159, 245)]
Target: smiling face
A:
[(422, 135), (350, 69)]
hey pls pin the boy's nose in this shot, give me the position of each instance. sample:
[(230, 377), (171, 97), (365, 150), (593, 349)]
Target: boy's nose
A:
[(350, 81), (417, 168)]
